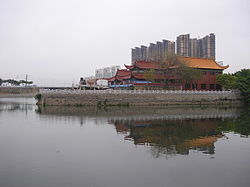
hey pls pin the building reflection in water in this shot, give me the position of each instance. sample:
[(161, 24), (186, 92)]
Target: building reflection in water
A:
[(167, 131), (172, 136)]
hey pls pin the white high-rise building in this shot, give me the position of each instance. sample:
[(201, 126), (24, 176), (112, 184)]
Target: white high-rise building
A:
[(106, 72), (99, 73)]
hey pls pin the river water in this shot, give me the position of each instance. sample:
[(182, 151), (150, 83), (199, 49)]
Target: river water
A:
[(122, 147)]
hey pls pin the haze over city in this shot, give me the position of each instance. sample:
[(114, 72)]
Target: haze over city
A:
[(56, 42)]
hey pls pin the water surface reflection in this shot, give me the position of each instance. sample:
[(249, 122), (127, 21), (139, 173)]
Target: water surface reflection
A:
[(121, 147), (167, 131)]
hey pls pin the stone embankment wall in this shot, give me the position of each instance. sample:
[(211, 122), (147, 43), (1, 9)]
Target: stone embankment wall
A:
[(171, 112), (18, 91), (137, 98)]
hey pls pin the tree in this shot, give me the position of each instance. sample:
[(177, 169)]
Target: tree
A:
[(25, 82), (188, 74), (227, 81), (243, 83), (12, 82), (170, 60), (169, 65), (15, 82), (150, 75)]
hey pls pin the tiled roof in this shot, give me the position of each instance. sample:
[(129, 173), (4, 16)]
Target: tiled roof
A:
[(121, 75), (147, 65), (111, 79), (202, 63), (129, 67), (123, 72), (144, 65)]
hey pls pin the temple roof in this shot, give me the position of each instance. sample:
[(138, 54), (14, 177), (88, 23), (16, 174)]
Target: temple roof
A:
[(123, 74), (147, 65), (202, 63), (129, 66), (143, 65)]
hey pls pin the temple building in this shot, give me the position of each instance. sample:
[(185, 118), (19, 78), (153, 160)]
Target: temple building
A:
[(152, 75)]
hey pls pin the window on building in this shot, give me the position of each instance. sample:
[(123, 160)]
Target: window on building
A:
[(212, 73), (194, 86), (172, 81), (204, 73), (203, 86), (187, 86), (218, 72), (211, 86)]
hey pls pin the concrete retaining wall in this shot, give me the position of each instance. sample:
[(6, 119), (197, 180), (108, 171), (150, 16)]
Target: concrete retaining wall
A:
[(18, 91), (138, 98)]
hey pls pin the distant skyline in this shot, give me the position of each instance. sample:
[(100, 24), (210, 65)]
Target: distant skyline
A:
[(56, 42)]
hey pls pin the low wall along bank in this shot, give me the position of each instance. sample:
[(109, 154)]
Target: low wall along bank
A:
[(136, 97), (18, 91)]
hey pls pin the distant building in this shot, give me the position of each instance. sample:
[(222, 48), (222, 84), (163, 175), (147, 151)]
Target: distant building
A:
[(99, 73), (208, 46), (183, 45), (168, 48), (193, 51), (106, 72), (154, 52), (199, 48)]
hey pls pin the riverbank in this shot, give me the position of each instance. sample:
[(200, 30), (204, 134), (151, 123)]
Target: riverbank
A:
[(18, 91), (103, 98)]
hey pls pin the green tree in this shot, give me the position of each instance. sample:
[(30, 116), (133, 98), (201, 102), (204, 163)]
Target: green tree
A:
[(15, 82), (188, 74), (12, 81), (243, 83), (25, 82), (227, 81), (150, 75)]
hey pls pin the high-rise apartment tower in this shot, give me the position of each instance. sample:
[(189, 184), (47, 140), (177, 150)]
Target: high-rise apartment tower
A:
[(154, 52), (192, 47)]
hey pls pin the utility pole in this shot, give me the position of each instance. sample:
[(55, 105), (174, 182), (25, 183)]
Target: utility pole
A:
[(26, 79)]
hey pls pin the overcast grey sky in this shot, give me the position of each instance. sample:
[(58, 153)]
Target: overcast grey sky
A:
[(56, 42)]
